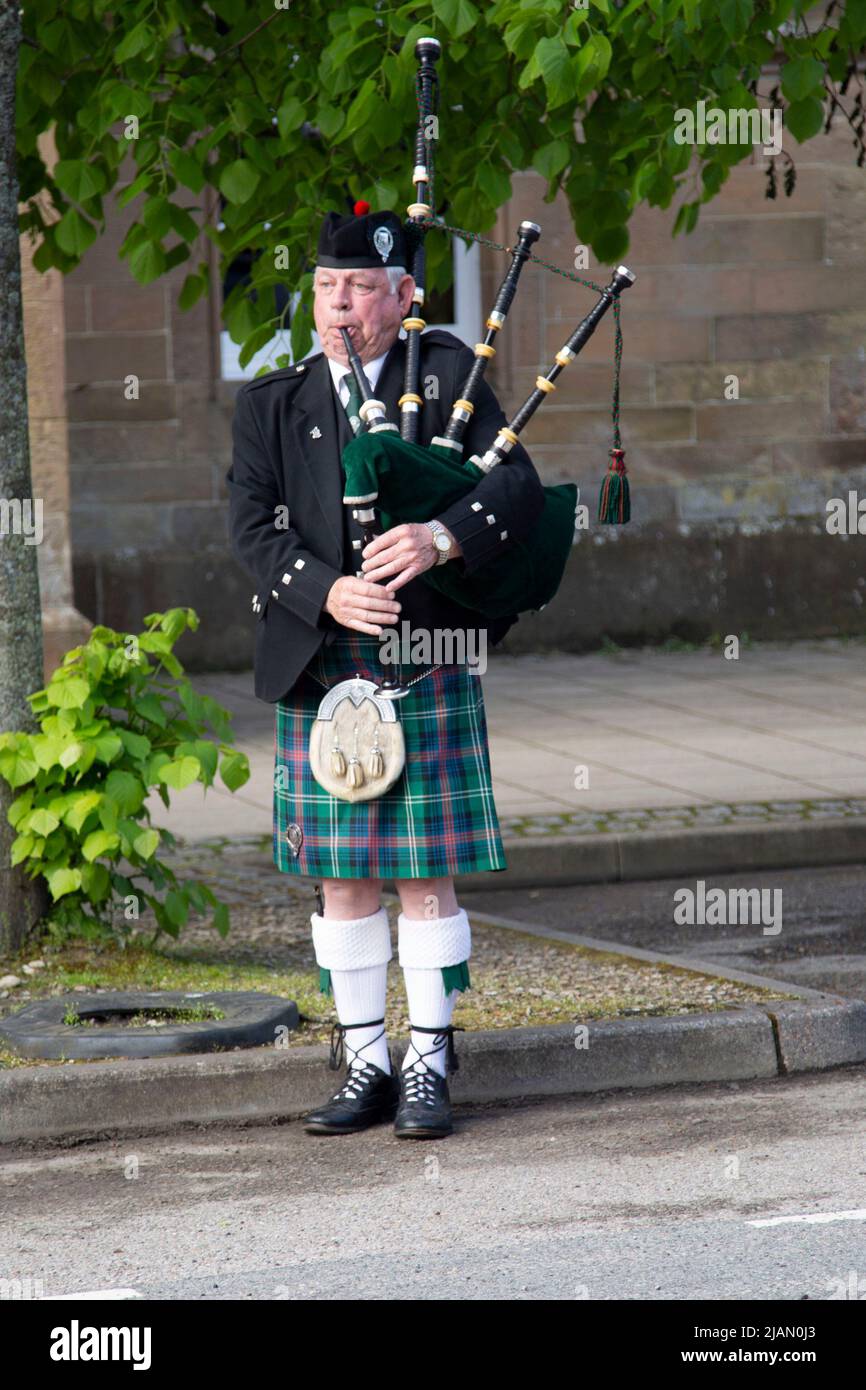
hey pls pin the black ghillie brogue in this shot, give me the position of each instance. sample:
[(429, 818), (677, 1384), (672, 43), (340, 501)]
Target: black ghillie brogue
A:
[(368, 1095), (424, 1111)]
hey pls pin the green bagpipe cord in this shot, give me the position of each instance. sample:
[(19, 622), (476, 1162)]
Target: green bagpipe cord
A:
[(407, 482)]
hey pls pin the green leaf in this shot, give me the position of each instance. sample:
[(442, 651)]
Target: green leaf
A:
[(329, 119), (99, 842), (125, 790), (146, 844), (194, 286), (202, 749), (63, 880), (235, 770), (147, 262), (610, 245), (138, 746), (78, 180), (804, 118), (19, 808), (47, 748), (83, 805), (494, 184), (107, 747), (21, 847), (239, 181), (290, 117), (154, 764), (72, 754), (735, 16), (182, 222), (156, 217), (521, 37), (74, 233), (180, 773), (136, 41), (221, 919), (96, 882), (176, 908), (186, 170), (593, 61), (801, 77), (68, 692), (149, 707), (555, 66), (458, 16), (551, 159), (41, 822)]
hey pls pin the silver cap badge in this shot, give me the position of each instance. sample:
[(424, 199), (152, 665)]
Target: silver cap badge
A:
[(383, 240)]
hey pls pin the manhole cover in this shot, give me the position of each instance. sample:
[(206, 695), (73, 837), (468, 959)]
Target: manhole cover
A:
[(249, 1019)]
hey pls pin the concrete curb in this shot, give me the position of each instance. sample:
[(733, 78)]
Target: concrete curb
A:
[(100, 1099), (539, 861)]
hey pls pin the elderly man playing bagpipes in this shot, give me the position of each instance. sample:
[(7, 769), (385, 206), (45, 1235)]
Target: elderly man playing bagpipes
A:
[(383, 774)]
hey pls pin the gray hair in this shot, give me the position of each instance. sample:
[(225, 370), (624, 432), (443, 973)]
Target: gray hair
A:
[(395, 274)]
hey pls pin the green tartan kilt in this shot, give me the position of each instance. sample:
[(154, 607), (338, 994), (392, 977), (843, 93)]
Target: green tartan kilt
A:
[(438, 819)]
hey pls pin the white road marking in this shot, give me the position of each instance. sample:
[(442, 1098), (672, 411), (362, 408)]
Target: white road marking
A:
[(813, 1217), (92, 1293)]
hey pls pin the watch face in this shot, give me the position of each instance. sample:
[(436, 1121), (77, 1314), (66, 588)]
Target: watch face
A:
[(442, 542)]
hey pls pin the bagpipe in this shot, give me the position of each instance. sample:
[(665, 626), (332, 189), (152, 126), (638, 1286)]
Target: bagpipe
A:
[(391, 479)]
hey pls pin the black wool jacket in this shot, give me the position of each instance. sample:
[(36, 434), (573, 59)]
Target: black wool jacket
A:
[(287, 521)]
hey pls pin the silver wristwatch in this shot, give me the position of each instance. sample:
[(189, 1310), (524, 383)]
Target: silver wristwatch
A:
[(441, 540)]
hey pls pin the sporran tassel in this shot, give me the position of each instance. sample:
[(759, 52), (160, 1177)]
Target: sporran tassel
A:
[(355, 774), (338, 761), (375, 761)]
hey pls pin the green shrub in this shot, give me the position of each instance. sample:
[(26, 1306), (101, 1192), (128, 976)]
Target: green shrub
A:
[(118, 718)]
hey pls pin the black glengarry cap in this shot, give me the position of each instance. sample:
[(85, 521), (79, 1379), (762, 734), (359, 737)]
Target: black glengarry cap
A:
[(362, 240)]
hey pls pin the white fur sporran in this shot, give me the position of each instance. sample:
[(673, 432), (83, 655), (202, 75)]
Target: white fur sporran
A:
[(357, 749)]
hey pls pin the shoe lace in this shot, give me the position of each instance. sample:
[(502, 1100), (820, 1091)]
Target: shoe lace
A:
[(420, 1086), (358, 1075)]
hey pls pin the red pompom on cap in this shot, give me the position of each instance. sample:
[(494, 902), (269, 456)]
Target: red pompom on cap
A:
[(361, 208)]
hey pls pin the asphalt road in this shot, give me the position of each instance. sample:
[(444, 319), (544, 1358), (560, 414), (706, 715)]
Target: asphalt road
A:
[(634, 1195), (822, 942)]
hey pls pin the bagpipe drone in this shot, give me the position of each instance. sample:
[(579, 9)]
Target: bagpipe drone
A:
[(391, 479)]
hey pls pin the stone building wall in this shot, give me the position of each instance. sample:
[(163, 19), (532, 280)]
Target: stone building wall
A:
[(728, 496)]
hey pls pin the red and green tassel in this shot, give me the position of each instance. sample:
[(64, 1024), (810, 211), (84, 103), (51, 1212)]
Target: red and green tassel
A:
[(614, 502)]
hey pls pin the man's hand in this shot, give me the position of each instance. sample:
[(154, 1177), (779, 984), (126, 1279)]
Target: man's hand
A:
[(358, 604), (403, 553)]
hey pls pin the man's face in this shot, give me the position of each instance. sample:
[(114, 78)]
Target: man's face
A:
[(362, 302)]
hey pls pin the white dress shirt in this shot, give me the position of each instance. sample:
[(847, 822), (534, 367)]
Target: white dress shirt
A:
[(340, 375)]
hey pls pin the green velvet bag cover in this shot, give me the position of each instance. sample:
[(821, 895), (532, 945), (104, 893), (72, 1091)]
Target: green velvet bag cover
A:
[(409, 483)]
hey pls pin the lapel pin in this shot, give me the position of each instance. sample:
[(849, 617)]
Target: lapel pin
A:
[(315, 432)]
